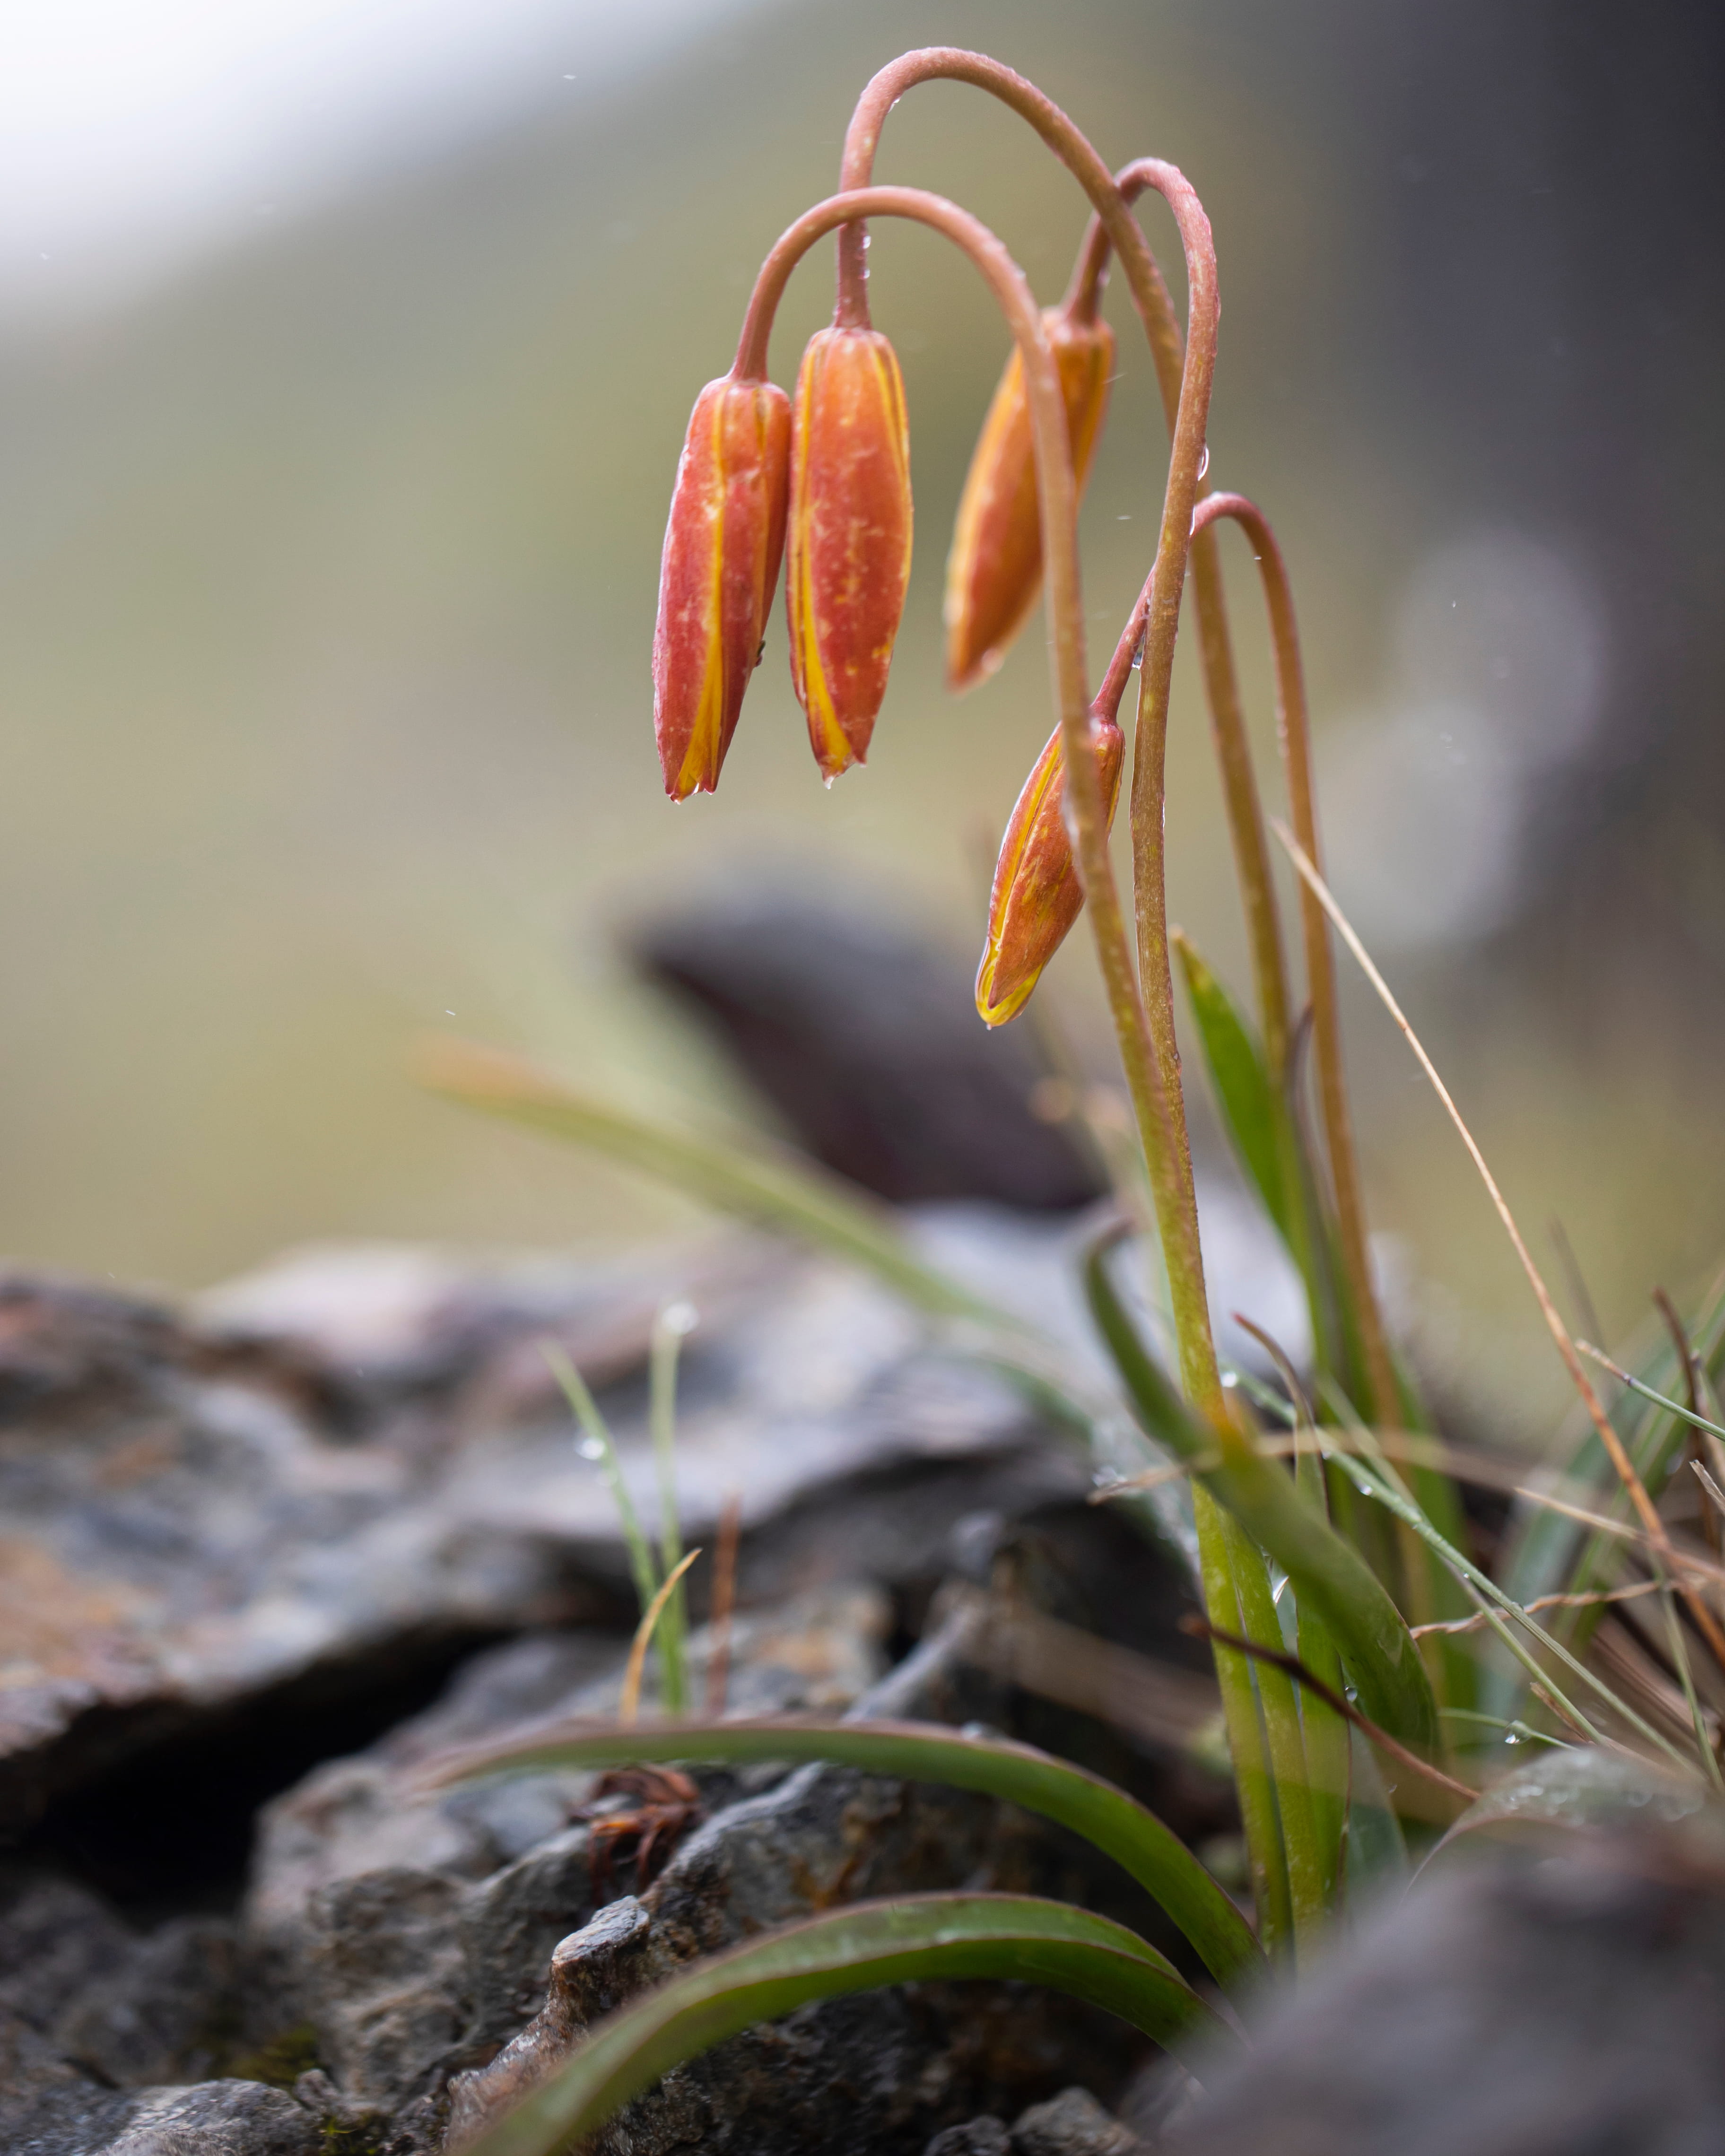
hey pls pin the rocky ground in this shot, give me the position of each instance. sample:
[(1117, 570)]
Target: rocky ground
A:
[(265, 1556), (258, 1570)]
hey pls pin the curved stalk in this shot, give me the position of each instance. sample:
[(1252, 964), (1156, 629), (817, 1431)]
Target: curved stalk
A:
[(1113, 229), (1293, 728), (1179, 1224), (1233, 753), (1160, 1123)]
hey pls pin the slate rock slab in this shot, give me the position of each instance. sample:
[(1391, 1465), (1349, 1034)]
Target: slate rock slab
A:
[(878, 2071), (313, 1490), (408, 1930)]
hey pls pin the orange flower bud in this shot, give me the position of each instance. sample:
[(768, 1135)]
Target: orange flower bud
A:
[(995, 567), (722, 548), (849, 537), (1036, 896)]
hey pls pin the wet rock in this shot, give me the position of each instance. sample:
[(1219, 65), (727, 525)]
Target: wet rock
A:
[(162, 2012), (1571, 2005), (48, 2105), (979, 2137), (877, 2070), (355, 1817), (1072, 2123), (89, 2006), (862, 1033), (410, 1930), (241, 1525), (216, 2118), (594, 1970)]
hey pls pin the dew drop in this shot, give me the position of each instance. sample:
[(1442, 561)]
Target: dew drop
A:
[(1203, 462), (593, 1448)]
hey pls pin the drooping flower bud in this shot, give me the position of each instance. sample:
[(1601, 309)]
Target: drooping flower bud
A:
[(849, 537), (1036, 896), (995, 567), (722, 548)]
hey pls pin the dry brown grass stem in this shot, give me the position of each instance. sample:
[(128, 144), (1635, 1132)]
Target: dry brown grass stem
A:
[(628, 1705), (1478, 1622), (1705, 1622)]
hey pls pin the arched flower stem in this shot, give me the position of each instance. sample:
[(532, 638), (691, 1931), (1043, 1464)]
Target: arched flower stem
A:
[(1058, 498), (1293, 728), (1114, 230), (1233, 754)]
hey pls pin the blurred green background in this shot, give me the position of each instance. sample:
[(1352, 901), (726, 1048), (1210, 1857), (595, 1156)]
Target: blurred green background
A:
[(327, 578)]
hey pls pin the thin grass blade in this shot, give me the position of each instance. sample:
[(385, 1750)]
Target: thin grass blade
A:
[(746, 1177), (1106, 1816), (1250, 1109), (922, 1939)]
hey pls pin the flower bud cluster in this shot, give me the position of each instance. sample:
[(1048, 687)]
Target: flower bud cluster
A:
[(836, 470), (823, 483)]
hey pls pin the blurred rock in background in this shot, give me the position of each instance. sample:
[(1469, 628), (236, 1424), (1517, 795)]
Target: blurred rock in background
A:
[(862, 1036)]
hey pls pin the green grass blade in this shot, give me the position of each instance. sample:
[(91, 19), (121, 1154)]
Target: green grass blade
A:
[(1673, 1407), (1226, 1557), (1333, 1580), (601, 1446), (1328, 1747), (1250, 1111), (1375, 1857), (748, 1177), (1497, 1605), (922, 1939), (672, 1323), (1106, 1816)]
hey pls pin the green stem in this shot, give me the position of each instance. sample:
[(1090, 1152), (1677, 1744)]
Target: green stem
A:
[(1157, 1097), (600, 1445), (669, 1328), (1308, 1893), (1222, 1551), (1178, 1218)]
